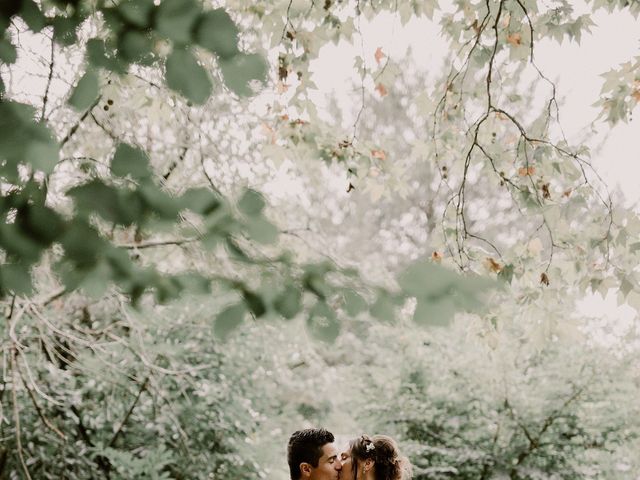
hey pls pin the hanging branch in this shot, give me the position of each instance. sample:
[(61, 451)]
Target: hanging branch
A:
[(46, 90)]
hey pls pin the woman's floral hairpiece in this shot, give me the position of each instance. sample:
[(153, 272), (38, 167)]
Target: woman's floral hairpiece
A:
[(369, 447)]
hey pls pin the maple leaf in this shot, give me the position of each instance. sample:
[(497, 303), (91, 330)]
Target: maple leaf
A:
[(381, 89), (514, 39), (492, 265), (526, 171), (379, 55), (379, 154)]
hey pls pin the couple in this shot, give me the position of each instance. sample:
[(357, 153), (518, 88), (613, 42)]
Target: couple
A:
[(312, 455)]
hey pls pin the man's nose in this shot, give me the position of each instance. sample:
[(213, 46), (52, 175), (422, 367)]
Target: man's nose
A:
[(338, 465)]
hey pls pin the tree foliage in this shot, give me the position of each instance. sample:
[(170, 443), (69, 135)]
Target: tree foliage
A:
[(141, 175)]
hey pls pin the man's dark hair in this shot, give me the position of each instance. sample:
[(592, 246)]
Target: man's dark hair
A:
[(305, 446)]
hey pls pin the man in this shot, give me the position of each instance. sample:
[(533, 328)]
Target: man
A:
[(313, 456)]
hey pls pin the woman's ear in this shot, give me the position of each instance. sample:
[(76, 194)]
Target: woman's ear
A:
[(305, 470), (368, 465)]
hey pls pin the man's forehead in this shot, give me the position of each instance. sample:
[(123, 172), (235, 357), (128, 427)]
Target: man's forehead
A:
[(329, 450)]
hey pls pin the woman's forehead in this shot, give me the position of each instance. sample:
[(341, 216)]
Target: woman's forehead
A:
[(344, 447)]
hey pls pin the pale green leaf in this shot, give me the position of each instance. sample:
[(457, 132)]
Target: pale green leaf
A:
[(86, 91), (186, 76)]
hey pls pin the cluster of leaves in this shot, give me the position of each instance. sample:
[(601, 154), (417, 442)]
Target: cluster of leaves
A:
[(465, 410), (621, 90), (127, 394)]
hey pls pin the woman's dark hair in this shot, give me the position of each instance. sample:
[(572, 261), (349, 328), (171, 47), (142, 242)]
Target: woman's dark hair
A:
[(388, 463), (305, 446)]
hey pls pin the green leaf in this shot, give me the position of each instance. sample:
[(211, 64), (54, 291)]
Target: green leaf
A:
[(251, 203), (186, 76), (262, 231), (32, 16), (434, 312), (86, 91), (159, 202), (353, 302), (136, 12), (82, 244), (218, 33), (94, 282), (314, 280), (40, 223), (132, 161), (64, 29), (194, 283), (383, 308), (99, 56), (175, 19), (254, 302), (24, 141), (289, 302), (8, 52), (228, 320), (322, 323), (15, 278), (241, 69), (506, 273), (200, 200), (136, 47), (626, 286), (18, 245), (424, 278), (114, 205)]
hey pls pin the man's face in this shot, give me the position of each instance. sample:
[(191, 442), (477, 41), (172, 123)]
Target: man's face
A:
[(329, 465)]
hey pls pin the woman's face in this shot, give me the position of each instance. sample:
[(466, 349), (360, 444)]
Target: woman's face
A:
[(347, 464)]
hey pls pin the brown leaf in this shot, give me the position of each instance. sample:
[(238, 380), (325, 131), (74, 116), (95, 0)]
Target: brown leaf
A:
[(514, 39), (381, 89), (545, 191), (544, 279), (379, 55), (379, 154), (526, 171), (492, 265), (566, 193), (636, 95), (436, 257)]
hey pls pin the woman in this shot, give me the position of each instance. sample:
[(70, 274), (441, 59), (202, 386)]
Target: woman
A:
[(374, 458)]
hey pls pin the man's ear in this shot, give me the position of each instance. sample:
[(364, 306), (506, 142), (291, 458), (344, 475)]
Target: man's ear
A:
[(305, 470)]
